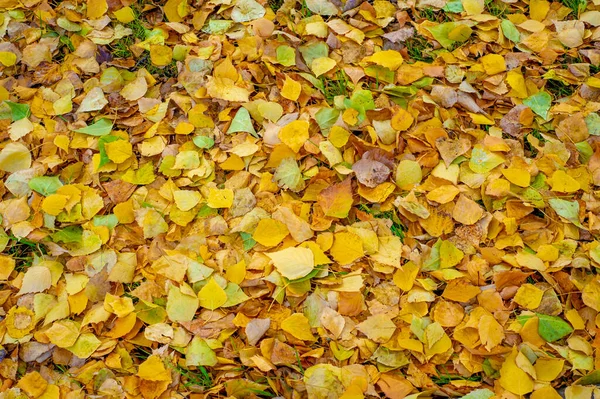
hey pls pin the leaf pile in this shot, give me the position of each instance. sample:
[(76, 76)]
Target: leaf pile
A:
[(284, 198)]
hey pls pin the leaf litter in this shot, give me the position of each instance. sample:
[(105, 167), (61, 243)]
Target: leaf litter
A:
[(283, 198)]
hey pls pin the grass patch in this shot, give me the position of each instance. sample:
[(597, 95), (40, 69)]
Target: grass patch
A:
[(418, 48), (121, 47), (165, 72), (304, 11), (558, 88), (496, 8), (200, 378), (23, 251), (333, 87), (576, 6), (444, 378), (397, 228), (527, 145), (432, 15), (275, 4), (140, 353)]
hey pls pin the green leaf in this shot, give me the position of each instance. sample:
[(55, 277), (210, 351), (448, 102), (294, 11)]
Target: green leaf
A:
[(104, 159), (144, 175), (248, 241), (483, 161), (440, 33), (585, 151), (321, 7), (204, 142), (592, 378), (45, 185), (539, 103), (553, 328), (454, 6), (510, 31), (247, 10), (242, 123), (100, 128), (433, 262), (311, 52), (326, 118), (567, 209), (593, 124), (109, 221), (361, 101), (479, 394), (286, 56), (19, 111), (288, 175), (68, 235)]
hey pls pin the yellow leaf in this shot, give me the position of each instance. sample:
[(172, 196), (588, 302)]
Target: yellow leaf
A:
[(338, 136), (378, 328), (63, 333), (135, 89), (491, 332), (51, 392), (294, 134), (270, 232), (449, 255), (538, 9), (121, 306), (153, 369), (236, 273), (493, 63), (322, 65), (547, 253), (119, 151), (466, 211), (347, 248), (212, 296), (291, 89), (182, 303), (548, 369), (175, 10), (390, 59), (220, 198), (545, 392), (443, 194), (161, 55), (297, 326), (225, 89), (402, 120), (294, 262), (186, 199), (54, 204), (530, 261), (529, 296), (473, 7), (515, 79), (562, 182), (408, 174), (33, 384), (125, 15), (96, 8), (7, 265), (8, 58), (14, 157), (512, 378), (480, 119), (519, 177), (575, 319)]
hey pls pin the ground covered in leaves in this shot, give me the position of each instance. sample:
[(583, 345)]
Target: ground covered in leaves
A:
[(299, 199)]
